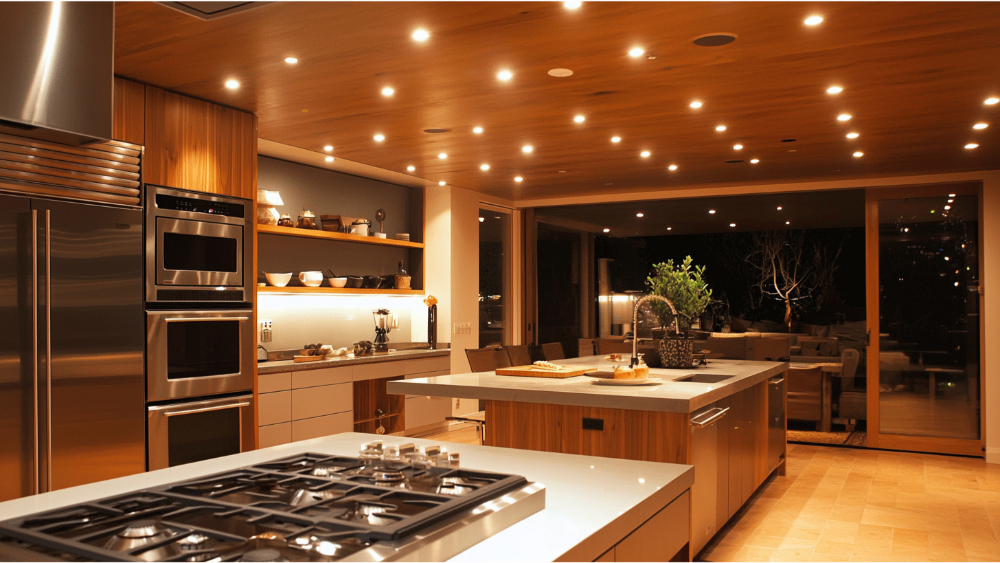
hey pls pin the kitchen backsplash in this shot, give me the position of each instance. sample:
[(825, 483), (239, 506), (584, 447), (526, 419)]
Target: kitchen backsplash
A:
[(338, 320)]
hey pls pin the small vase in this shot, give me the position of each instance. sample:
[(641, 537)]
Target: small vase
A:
[(676, 352)]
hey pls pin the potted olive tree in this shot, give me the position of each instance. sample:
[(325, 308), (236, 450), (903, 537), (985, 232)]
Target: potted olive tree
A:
[(684, 285)]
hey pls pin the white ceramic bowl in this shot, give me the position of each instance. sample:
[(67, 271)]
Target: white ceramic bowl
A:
[(338, 282), (278, 280)]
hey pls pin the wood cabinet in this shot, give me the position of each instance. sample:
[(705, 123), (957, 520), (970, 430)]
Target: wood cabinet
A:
[(747, 444), (197, 145), (129, 112)]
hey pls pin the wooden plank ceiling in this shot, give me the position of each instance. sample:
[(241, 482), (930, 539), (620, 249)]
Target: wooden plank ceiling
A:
[(915, 77)]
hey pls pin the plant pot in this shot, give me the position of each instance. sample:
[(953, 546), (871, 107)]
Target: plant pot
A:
[(676, 352)]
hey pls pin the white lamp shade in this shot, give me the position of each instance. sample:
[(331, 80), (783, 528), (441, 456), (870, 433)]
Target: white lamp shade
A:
[(267, 197)]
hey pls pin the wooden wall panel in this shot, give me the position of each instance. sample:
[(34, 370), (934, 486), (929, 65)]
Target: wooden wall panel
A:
[(195, 145), (627, 434), (129, 112)]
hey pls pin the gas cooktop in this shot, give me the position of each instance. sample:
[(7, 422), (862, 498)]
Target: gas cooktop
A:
[(395, 504)]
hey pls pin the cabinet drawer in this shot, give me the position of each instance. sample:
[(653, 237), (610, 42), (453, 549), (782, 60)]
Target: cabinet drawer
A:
[(272, 382), (377, 371), (428, 374), (275, 434), (660, 537), (325, 376), (274, 408), (322, 426), (321, 401), (425, 365), (421, 411)]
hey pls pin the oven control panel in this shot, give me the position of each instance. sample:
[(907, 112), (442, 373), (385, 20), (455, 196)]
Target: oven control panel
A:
[(193, 205)]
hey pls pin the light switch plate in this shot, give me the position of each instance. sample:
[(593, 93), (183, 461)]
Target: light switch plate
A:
[(463, 328)]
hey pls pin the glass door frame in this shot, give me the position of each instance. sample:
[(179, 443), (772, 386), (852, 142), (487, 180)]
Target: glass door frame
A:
[(875, 438), (513, 291)]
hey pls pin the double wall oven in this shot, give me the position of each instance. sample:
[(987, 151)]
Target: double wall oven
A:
[(199, 326)]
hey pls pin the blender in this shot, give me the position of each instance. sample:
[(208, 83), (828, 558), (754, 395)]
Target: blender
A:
[(384, 323)]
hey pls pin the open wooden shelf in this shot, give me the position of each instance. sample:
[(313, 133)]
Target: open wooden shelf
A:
[(338, 290), (330, 235)]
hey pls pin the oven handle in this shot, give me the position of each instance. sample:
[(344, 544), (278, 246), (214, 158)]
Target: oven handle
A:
[(200, 319), (207, 409)]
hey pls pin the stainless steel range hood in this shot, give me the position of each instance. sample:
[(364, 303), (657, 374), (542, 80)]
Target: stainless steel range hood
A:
[(56, 70)]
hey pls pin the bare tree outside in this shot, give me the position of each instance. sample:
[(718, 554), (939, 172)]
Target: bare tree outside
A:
[(781, 272)]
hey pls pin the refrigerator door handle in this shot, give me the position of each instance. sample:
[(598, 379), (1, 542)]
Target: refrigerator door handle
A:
[(48, 349), (36, 481)]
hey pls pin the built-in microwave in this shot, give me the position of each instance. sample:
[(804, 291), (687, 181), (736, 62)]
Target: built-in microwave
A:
[(197, 247), (198, 353)]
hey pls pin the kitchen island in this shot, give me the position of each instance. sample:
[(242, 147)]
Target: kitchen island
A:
[(726, 418), (592, 509)]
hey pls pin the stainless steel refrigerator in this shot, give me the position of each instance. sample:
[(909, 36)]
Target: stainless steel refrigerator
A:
[(71, 344)]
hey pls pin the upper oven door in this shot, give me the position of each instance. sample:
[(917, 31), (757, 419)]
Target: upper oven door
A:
[(198, 253), (198, 353)]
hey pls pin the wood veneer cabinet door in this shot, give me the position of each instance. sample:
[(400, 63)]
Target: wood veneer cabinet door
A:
[(196, 145), (129, 116)]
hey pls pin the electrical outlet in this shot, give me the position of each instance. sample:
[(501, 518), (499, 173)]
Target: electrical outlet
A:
[(266, 331), (463, 328)]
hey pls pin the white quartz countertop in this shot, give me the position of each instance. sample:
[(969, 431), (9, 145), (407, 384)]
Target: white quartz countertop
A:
[(671, 396), (279, 366), (590, 504)]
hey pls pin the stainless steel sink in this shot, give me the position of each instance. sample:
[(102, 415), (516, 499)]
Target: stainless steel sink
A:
[(704, 378)]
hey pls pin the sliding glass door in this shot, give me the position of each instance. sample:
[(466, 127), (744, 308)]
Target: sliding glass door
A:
[(924, 345)]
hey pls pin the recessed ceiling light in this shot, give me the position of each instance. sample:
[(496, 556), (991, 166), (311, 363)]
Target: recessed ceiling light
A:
[(951, 201), (814, 20), (380, 137), (484, 167), (477, 130), (291, 60), (844, 117), (695, 104), (442, 155), (738, 147), (720, 128), (607, 230), (754, 160), (858, 154), (779, 208), (672, 167), (852, 135), (560, 72), (732, 224), (527, 148), (616, 139), (834, 90), (411, 168), (387, 91), (951, 195), (991, 101), (640, 215), (481, 219), (441, 183), (232, 84), (670, 228), (636, 52), (421, 35), (518, 179), (329, 159), (572, 4), (971, 146), (947, 207), (328, 148), (505, 75), (788, 222), (980, 126), (645, 154), (579, 119), (711, 212)]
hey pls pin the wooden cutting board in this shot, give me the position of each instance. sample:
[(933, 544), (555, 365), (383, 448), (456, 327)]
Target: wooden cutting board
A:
[(300, 359), (532, 371)]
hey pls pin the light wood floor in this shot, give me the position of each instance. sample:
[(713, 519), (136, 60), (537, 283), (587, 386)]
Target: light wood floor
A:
[(465, 434), (841, 504)]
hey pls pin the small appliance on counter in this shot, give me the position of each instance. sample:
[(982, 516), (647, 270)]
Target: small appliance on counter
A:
[(388, 504), (384, 323)]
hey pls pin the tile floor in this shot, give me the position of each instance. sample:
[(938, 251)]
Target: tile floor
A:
[(841, 504)]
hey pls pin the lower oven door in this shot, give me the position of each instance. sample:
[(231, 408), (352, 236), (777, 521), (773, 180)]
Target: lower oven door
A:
[(198, 353), (187, 432)]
